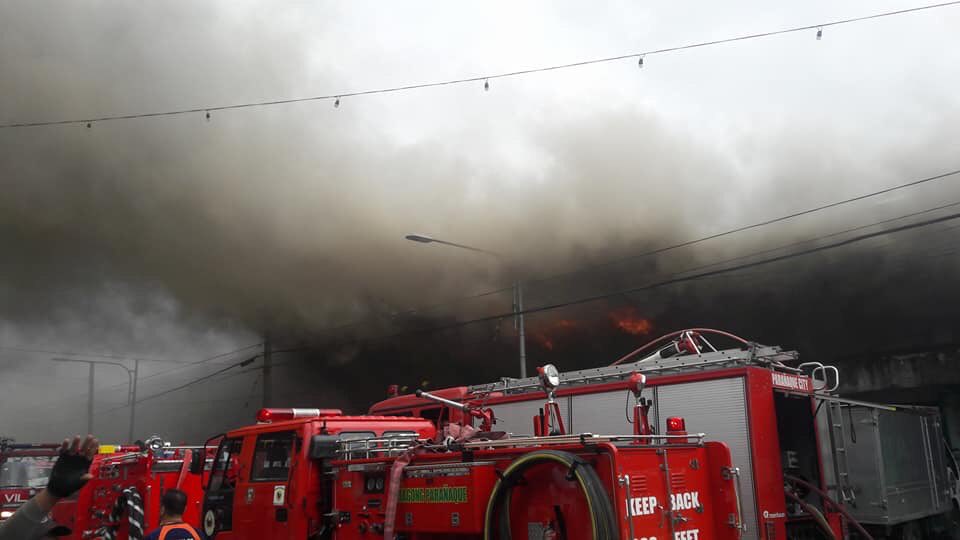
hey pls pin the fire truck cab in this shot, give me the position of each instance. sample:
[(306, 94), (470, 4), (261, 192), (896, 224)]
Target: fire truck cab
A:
[(264, 482), (24, 468), (123, 499)]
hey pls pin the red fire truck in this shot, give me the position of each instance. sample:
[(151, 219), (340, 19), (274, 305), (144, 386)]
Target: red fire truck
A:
[(123, 499), (309, 473), (805, 471), (24, 468)]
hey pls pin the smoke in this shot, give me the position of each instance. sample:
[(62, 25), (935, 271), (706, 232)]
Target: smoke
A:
[(291, 218)]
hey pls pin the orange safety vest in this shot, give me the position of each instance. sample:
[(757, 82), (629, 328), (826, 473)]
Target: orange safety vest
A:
[(178, 527)]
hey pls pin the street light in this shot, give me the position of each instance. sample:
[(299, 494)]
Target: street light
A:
[(131, 388), (517, 291)]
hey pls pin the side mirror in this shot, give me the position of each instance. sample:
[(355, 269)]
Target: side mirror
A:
[(197, 461), (324, 446)]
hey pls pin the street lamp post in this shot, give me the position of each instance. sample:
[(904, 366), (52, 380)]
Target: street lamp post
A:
[(131, 388), (517, 292)]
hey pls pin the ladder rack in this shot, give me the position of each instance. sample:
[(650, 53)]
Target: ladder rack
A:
[(770, 357)]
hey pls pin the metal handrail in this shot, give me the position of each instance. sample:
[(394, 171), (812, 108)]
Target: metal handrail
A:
[(739, 524), (585, 438)]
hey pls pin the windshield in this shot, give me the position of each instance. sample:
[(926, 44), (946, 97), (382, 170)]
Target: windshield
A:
[(26, 471)]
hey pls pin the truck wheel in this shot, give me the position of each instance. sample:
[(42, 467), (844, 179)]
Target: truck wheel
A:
[(210, 524)]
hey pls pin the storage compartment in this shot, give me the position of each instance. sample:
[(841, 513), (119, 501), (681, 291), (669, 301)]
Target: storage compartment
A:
[(895, 464)]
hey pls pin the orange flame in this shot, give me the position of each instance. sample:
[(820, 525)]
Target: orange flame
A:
[(544, 341), (543, 337), (629, 321)]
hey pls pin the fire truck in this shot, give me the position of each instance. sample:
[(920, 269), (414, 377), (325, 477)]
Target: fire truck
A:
[(24, 468), (122, 501), (812, 464), (318, 474)]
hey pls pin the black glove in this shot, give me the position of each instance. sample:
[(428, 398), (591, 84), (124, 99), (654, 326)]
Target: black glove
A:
[(67, 476)]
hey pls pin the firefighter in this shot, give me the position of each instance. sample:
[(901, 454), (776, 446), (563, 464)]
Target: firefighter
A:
[(31, 521), (172, 505)]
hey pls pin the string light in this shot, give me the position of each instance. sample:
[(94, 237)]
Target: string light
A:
[(640, 62), (208, 116), (336, 104), (486, 78), (89, 125)]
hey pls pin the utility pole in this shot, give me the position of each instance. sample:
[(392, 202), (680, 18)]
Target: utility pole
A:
[(131, 386), (518, 322), (517, 292), (133, 402), (267, 371), (93, 368)]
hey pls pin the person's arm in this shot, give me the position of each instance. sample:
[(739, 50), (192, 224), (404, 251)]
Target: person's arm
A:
[(69, 474)]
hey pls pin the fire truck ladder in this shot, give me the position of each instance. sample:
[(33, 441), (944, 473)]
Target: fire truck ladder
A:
[(838, 444), (755, 354)]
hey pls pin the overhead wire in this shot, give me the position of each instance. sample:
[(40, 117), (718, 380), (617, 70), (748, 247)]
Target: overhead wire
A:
[(88, 355), (675, 278), (687, 243), (338, 96)]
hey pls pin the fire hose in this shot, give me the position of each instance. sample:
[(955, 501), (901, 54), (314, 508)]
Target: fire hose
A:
[(835, 504), (130, 501), (817, 516), (601, 512)]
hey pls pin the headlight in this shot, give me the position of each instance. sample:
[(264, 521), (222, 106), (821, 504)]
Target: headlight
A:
[(5, 514)]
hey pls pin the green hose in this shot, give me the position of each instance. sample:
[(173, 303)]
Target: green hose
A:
[(602, 516)]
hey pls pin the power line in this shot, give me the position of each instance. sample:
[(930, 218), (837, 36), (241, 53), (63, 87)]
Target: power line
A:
[(674, 279), (90, 355), (477, 78), (242, 363), (152, 375), (757, 225), (687, 243)]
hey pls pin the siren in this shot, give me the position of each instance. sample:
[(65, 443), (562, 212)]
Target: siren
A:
[(268, 415)]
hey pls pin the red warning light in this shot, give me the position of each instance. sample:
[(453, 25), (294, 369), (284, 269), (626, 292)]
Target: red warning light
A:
[(265, 416), (676, 423)]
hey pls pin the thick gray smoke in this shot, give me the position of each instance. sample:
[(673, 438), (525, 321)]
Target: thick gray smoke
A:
[(292, 218)]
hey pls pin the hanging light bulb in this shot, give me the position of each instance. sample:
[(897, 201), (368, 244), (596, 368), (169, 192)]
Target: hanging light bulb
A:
[(89, 125), (486, 85), (208, 116), (640, 62), (819, 33), (337, 102)]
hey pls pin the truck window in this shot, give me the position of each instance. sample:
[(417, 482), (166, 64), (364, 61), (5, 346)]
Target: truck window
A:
[(271, 457), (354, 444), (224, 474)]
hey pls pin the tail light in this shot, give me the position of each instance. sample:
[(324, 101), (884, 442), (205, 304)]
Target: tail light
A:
[(265, 416), (676, 424)]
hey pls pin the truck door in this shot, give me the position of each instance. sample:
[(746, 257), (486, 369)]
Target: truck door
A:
[(219, 497), (266, 498)]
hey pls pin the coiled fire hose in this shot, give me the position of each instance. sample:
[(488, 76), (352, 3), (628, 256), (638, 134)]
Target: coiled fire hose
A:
[(602, 516), (130, 501)]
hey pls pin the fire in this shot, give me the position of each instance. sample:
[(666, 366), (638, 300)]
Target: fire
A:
[(628, 320), (543, 337), (544, 341)]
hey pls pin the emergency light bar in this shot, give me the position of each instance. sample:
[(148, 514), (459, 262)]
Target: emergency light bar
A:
[(265, 416)]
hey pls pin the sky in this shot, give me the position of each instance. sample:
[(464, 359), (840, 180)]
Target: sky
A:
[(180, 238)]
